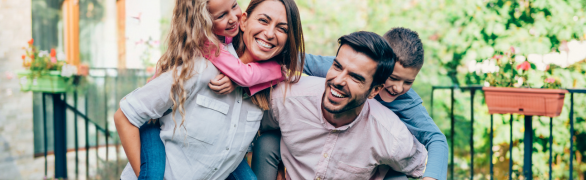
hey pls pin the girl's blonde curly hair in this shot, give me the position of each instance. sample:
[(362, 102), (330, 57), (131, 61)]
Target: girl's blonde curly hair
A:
[(191, 28)]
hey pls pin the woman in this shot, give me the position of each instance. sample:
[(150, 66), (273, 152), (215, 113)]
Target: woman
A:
[(213, 139)]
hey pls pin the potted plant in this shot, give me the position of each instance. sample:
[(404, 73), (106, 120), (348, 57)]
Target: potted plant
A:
[(510, 92), (45, 72)]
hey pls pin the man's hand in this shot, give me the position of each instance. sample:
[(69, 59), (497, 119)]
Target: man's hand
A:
[(428, 178), (221, 85)]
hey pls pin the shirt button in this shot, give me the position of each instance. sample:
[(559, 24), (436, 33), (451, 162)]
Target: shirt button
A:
[(227, 148), (215, 169), (325, 155), (234, 125), (317, 178), (238, 101)]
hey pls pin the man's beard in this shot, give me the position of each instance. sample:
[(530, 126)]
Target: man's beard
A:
[(353, 103)]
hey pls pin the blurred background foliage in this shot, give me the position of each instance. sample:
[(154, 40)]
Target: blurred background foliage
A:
[(457, 31)]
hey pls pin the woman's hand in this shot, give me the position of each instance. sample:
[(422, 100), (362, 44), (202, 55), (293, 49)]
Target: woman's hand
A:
[(222, 85)]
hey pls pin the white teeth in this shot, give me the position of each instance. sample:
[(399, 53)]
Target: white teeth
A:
[(391, 93), (263, 44), (336, 93)]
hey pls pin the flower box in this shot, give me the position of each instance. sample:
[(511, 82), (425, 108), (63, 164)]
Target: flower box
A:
[(526, 101), (49, 81)]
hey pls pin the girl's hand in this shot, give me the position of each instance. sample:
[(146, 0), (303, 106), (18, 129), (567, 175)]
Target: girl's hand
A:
[(222, 85)]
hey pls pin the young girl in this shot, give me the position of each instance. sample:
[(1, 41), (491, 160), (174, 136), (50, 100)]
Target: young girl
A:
[(213, 140)]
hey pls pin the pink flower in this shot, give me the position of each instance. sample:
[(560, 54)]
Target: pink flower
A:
[(497, 57), (512, 50), (9, 75), (150, 69), (550, 80), (53, 60), (524, 66)]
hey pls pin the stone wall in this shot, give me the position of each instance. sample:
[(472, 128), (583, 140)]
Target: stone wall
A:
[(16, 116)]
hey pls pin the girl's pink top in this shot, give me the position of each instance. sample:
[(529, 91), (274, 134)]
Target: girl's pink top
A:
[(256, 75)]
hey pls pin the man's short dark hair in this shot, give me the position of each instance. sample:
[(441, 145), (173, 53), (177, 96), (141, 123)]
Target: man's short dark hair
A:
[(407, 47), (375, 47)]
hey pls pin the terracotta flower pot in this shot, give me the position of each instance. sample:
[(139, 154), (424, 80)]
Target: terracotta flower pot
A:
[(526, 101)]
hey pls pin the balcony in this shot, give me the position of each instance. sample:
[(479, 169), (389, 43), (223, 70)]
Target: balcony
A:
[(495, 146)]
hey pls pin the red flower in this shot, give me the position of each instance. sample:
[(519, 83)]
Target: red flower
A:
[(30, 42), (53, 53), (23, 57), (33, 56), (524, 66)]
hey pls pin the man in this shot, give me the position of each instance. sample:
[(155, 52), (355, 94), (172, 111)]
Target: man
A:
[(338, 131), (397, 96)]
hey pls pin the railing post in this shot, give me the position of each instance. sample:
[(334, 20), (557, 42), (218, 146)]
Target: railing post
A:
[(431, 106), (472, 91), (550, 144), (97, 147), (491, 139), (75, 136), (452, 122), (106, 132), (87, 140), (511, 148), (528, 148), (45, 131), (572, 135), (59, 127)]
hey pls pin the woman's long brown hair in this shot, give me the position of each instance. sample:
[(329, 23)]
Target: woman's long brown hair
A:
[(293, 56), (191, 27)]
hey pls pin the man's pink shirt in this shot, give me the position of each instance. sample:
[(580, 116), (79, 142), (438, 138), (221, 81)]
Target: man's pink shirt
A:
[(311, 148)]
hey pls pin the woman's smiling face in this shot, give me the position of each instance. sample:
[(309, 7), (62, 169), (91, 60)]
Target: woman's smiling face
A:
[(265, 30)]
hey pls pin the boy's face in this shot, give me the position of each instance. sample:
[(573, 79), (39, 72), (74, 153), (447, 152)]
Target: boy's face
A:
[(398, 83)]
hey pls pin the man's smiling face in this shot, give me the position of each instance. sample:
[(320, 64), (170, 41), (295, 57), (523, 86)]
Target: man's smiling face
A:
[(348, 82)]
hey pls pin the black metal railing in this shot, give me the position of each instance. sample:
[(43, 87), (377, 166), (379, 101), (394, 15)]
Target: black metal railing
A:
[(527, 149), (115, 84)]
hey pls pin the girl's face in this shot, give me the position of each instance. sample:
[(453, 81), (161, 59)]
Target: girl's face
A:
[(225, 17), (265, 30)]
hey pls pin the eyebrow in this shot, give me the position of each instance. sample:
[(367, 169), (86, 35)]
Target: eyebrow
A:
[(271, 19), (396, 77), (357, 76), (353, 74)]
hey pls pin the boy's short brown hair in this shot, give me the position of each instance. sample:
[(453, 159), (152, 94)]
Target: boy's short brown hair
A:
[(407, 47)]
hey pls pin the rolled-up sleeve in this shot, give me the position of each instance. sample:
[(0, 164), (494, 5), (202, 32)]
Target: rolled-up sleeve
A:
[(408, 156), (150, 101)]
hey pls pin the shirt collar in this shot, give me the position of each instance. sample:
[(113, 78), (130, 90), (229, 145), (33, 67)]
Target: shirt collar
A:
[(328, 126)]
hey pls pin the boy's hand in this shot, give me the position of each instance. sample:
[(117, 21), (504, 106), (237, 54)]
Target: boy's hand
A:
[(221, 84)]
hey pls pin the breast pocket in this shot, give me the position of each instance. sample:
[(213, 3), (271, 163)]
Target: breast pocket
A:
[(252, 124), (206, 122), (347, 171)]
